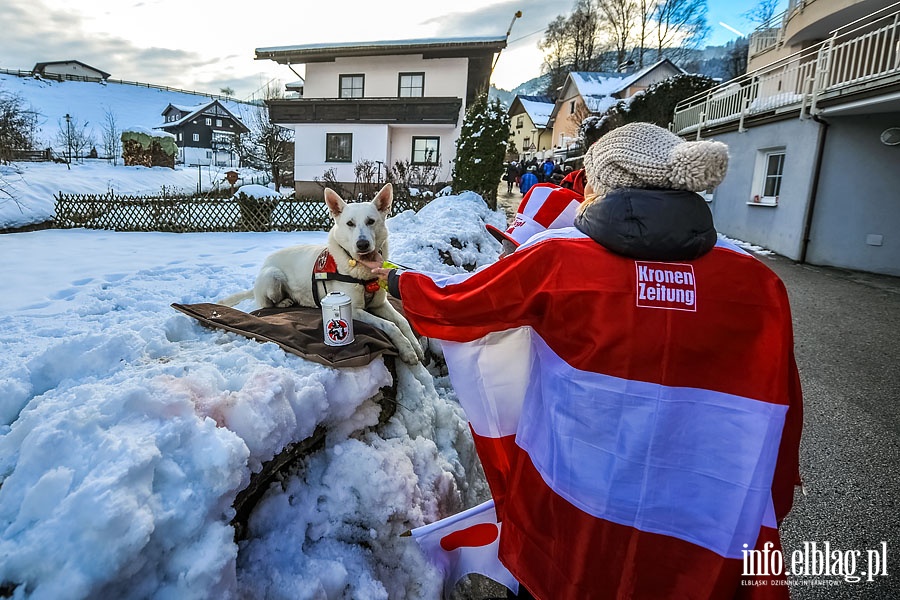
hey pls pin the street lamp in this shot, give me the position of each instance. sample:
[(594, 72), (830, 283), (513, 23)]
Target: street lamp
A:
[(69, 137)]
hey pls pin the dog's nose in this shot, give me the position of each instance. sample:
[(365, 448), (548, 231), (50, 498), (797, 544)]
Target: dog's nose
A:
[(362, 245)]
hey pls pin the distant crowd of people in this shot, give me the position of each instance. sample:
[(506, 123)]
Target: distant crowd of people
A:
[(525, 174)]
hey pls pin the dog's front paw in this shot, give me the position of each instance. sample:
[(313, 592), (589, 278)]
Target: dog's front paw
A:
[(409, 356), (420, 352), (285, 303)]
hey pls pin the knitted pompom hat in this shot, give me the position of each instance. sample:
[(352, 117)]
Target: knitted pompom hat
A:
[(643, 155)]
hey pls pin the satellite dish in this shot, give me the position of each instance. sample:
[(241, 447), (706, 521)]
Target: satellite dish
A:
[(890, 136)]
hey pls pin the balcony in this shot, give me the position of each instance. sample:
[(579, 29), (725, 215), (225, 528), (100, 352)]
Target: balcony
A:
[(431, 111), (859, 60)]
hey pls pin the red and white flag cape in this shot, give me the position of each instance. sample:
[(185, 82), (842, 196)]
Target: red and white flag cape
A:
[(465, 543), (638, 421)]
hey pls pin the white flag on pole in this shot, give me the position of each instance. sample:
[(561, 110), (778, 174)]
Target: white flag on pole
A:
[(465, 543)]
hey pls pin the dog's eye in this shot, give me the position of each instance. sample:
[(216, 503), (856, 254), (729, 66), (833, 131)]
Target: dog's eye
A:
[(370, 221), (351, 224)]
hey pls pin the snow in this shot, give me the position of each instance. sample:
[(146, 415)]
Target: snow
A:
[(255, 190), (88, 102), (538, 112), (32, 186), (127, 429)]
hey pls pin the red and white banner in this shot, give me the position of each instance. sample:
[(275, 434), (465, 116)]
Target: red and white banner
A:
[(465, 543), (631, 428)]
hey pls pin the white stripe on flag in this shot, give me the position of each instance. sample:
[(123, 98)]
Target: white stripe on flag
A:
[(686, 462), (472, 547), (490, 376)]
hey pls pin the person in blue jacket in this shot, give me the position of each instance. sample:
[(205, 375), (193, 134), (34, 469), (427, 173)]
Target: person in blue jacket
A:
[(528, 180)]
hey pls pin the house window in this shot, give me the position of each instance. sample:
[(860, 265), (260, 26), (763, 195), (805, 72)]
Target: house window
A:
[(338, 147), (218, 122), (412, 85), (526, 143), (572, 107), (352, 86), (179, 137), (769, 174), (520, 121), (208, 121), (196, 137), (426, 150)]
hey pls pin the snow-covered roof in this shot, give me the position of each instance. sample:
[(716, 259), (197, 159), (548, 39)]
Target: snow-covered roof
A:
[(599, 90), (440, 47), (539, 108)]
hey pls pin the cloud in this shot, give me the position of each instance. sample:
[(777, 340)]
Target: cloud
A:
[(494, 19)]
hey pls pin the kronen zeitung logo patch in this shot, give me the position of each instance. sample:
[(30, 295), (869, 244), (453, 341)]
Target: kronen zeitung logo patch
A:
[(666, 285)]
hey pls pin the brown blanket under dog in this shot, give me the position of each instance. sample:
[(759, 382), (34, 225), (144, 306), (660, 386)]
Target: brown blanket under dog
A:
[(297, 330)]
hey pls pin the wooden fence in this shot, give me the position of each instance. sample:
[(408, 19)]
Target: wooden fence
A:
[(198, 213)]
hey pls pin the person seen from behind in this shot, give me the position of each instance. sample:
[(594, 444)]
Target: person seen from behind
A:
[(630, 383)]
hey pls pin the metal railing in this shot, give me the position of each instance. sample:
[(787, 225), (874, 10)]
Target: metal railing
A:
[(858, 54)]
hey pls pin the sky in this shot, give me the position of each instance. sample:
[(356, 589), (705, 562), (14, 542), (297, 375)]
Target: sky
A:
[(207, 47)]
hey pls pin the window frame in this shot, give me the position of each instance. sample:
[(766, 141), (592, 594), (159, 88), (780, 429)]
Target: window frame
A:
[(209, 121), (520, 121), (424, 151), (400, 87), (762, 178), (195, 137), (333, 158), (362, 87)]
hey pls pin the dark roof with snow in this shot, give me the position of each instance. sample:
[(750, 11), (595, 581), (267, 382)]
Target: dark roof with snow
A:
[(194, 111), (428, 47)]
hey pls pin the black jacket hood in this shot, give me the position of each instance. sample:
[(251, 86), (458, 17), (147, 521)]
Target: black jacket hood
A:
[(650, 224)]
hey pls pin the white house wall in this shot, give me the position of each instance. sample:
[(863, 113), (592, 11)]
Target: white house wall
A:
[(778, 228), (370, 142), (856, 220), (376, 142), (444, 77), (71, 68), (401, 145)]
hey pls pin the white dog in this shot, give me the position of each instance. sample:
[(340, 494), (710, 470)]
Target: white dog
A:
[(301, 274)]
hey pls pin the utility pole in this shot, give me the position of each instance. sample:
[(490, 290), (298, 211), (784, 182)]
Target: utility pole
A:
[(68, 141)]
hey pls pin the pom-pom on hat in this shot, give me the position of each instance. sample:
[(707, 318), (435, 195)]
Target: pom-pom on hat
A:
[(643, 155), (544, 207)]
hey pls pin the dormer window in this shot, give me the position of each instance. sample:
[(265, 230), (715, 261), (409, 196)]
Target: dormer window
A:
[(352, 86)]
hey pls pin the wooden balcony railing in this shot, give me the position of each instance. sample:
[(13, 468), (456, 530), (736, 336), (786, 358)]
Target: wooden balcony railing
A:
[(438, 111)]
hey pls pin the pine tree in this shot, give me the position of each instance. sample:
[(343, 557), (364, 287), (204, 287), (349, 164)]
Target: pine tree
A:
[(481, 149)]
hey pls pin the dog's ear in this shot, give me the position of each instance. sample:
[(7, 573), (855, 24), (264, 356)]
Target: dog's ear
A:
[(335, 203), (384, 198)]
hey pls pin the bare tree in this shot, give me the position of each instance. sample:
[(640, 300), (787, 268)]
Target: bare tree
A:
[(762, 13), (680, 27), (571, 44), (554, 47), (619, 19), (74, 136), (584, 27), (645, 10), (18, 124), (267, 146), (112, 137)]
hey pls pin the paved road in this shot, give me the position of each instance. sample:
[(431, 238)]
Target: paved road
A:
[(847, 342)]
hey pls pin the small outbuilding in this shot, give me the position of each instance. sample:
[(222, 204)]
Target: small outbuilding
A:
[(69, 69)]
